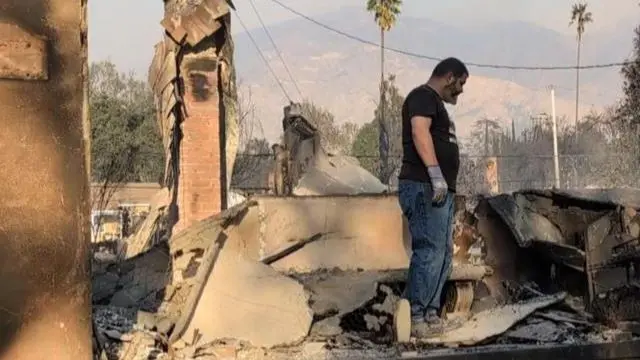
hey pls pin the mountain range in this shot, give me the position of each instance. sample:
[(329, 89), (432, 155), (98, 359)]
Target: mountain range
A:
[(342, 75)]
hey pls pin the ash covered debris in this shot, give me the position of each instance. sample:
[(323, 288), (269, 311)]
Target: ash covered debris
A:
[(523, 274)]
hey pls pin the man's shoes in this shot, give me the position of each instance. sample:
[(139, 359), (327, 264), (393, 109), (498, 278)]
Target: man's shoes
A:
[(446, 324), (433, 325), (432, 317), (423, 330)]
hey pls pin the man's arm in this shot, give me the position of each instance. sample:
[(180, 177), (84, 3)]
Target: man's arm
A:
[(421, 134), (421, 117), (422, 107)]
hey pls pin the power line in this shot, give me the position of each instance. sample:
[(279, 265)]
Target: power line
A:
[(295, 83), (433, 58), (284, 91)]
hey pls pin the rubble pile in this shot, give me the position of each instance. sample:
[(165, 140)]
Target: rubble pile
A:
[(530, 268)]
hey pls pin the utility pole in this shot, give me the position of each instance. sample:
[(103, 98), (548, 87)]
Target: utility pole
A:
[(556, 165), (486, 137)]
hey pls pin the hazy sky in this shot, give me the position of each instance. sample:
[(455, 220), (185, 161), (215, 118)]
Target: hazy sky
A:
[(125, 31)]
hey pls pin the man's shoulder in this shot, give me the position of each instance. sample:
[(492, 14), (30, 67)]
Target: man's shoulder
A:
[(422, 92)]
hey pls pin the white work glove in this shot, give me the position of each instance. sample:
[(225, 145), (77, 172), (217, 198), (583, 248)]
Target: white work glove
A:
[(438, 184)]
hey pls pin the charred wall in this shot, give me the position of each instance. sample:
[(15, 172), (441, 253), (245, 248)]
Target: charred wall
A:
[(44, 232)]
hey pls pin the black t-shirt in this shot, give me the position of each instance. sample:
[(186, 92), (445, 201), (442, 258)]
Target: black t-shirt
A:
[(424, 101)]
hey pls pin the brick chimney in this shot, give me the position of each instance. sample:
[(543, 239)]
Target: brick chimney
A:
[(200, 191)]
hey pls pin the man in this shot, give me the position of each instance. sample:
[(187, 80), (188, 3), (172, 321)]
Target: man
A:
[(427, 184)]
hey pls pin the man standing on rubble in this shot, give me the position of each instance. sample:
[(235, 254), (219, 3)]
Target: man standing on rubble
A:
[(427, 184)]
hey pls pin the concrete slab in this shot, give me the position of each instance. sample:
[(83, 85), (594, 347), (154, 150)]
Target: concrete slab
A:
[(373, 239), (247, 300), (343, 292)]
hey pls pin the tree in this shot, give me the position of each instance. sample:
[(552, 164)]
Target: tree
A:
[(249, 128), (365, 145), (630, 109), (125, 144), (588, 153), (385, 15), (579, 16), (486, 135), (366, 141), (254, 150), (334, 138)]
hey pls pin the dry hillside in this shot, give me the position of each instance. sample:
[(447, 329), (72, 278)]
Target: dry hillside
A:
[(342, 75)]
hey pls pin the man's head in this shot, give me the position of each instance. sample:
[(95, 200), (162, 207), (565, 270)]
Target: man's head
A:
[(448, 79)]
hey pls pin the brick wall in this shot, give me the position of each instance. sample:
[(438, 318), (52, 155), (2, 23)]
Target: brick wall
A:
[(200, 180)]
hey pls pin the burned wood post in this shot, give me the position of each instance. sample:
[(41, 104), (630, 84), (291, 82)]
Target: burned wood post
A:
[(278, 176), (301, 143), (44, 242)]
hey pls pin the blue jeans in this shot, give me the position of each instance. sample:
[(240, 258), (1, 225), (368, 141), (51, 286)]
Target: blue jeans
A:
[(431, 244)]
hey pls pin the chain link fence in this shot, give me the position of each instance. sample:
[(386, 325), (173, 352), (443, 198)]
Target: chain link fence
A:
[(514, 172)]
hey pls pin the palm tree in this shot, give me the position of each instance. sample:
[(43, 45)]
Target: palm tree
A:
[(385, 15), (579, 16)]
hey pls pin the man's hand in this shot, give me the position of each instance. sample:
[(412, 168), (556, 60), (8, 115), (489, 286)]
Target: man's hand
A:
[(439, 185)]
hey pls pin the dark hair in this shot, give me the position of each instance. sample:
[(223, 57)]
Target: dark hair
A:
[(450, 65)]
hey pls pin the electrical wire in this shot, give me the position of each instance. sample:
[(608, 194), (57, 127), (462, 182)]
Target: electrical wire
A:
[(433, 58), (284, 91), (264, 27)]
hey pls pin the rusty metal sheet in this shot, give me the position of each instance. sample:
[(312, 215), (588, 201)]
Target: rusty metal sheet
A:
[(159, 121), (156, 63), (197, 25), (155, 86), (167, 173), (166, 127), (23, 56), (531, 229), (142, 239), (595, 199), (195, 31), (211, 24), (174, 27), (168, 100), (526, 225), (168, 73), (217, 8), (170, 121), (613, 196), (170, 44)]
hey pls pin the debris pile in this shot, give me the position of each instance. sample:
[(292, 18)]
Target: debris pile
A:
[(530, 268), (304, 168)]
